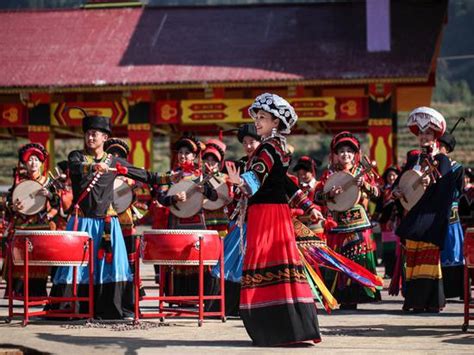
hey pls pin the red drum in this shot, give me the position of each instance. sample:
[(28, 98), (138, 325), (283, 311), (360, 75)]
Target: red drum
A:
[(180, 246), (469, 247), (62, 248)]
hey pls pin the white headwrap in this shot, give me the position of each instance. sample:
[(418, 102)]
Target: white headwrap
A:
[(422, 118), (278, 107)]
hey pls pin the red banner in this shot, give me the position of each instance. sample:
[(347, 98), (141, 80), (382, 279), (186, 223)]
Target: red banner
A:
[(210, 111), (167, 112), (65, 113), (380, 141), (12, 115), (141, 137), (380, 92)]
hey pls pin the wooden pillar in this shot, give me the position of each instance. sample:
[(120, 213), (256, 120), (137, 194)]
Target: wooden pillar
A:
[(381, 125), (140, 131), (39, 130)]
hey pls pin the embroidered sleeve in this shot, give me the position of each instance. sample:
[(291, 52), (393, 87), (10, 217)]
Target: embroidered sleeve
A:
[(145, 176), (297, 198), (259, 169)]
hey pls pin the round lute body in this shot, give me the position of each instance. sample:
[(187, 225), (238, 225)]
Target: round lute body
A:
[(194, 199), (28, 193), (223, 196), (123, 194), (350, 191), (412, 188)]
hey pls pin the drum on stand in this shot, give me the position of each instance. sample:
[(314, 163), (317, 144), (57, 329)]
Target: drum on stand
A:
[(469, 247), (349, 195), (61, 248), (123, 194), (28, 193), (194, 199), (223, 196), (180, 247)]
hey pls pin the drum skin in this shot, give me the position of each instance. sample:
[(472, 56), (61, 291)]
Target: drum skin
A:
[(27, 192), (348, 197), (123, 194), (62, 248), (180, 247), (194, 199), (469, 247), (411, 187)]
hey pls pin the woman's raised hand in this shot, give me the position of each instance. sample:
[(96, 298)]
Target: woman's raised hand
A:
[(233, 173)]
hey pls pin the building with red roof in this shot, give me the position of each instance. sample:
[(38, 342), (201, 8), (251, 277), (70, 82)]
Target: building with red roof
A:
[(343, 65)]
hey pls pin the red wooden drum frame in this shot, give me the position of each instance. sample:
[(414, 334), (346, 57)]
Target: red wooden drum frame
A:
[(468, 268), (58, 248), (55, 248), (180, 246)]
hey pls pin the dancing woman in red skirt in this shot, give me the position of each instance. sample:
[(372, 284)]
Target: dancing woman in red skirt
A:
[(276, 303)]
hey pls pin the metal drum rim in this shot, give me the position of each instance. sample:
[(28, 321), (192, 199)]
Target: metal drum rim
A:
[(21, 262), (22, 232), (181, 231), (206, 262)]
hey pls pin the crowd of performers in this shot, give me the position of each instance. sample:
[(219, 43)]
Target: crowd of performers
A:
[(290, 240)]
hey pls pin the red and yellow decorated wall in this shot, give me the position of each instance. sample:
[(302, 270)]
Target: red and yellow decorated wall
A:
[(139, 115)]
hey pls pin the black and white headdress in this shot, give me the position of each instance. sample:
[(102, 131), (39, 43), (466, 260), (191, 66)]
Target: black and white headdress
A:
[(278, 107)]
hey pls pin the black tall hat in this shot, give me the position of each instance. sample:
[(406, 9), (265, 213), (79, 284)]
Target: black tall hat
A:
[(99, 123), (119, 146), (247, 130), (448, 140)]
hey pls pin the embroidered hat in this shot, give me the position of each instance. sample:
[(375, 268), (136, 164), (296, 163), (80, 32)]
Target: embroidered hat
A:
[(307, 163), (345, 138), (216, 148), (422, 118), (191, 143), (26, 151), (119, 146), (278, 107)]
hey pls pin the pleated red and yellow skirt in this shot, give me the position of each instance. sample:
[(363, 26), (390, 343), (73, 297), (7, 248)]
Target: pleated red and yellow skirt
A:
[(276, 303)]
